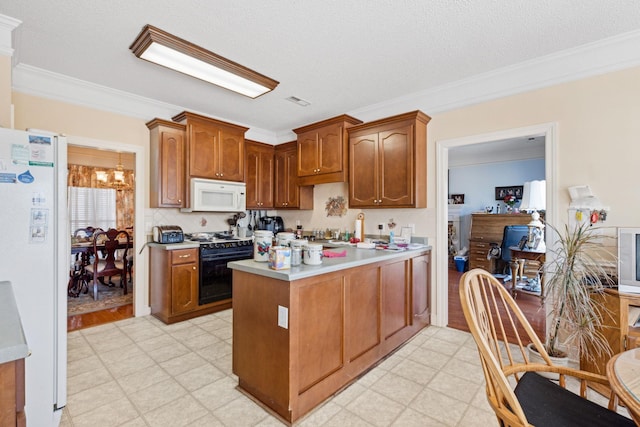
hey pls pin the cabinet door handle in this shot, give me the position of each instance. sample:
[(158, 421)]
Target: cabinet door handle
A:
[(194, 267)]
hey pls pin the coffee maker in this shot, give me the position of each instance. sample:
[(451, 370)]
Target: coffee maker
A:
[(271, 223)]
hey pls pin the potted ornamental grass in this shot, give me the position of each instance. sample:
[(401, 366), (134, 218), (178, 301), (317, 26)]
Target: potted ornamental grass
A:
[(576, 269)]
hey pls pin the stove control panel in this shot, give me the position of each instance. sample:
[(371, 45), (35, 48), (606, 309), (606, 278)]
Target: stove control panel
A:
[(227, 245)]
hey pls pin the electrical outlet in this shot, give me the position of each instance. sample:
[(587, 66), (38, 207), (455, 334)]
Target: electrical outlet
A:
[(283, 317)]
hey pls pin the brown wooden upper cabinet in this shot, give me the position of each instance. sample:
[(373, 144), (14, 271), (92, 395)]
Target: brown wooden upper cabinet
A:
[(167, 180), (259, 175), (388, 162), (288, 194), (322, 150), (215, 149)]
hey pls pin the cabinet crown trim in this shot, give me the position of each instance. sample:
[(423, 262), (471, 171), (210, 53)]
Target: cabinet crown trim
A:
[(412, 115), (189, 116), (338, 119), (159, 122)]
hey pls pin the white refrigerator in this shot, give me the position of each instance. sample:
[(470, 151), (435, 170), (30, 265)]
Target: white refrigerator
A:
[(34, 256)]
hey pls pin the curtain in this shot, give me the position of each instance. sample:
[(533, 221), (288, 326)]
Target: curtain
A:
[(85, 176), (91, 207)]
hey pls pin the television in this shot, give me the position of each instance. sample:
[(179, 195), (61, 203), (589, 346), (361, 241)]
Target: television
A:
[(629, 260)]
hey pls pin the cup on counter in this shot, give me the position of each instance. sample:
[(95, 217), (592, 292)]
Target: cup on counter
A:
[(296, 255), (297, 250)]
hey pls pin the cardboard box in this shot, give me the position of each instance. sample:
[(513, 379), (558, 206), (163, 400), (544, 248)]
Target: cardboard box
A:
[(279, 258)]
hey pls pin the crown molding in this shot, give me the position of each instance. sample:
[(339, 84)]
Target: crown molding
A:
[(607, 55), (592, 59), (47, 84), (490, 156), (7, 25)]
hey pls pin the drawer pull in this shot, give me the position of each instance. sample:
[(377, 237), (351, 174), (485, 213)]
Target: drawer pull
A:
[(184, 256)]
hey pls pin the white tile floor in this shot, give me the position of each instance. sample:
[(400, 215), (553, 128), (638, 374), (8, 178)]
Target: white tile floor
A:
[(141, 372)]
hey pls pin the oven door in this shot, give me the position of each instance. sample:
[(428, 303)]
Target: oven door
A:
[(216, 277)]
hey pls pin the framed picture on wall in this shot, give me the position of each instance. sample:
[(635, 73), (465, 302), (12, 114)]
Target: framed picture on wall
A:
[(458, 199), (514, 190)]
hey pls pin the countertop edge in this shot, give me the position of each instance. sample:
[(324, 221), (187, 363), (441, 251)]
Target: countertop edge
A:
[(13, 344), (173, 246), (329, 265)]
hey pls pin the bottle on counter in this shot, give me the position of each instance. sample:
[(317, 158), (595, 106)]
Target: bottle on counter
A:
[(298, 230)]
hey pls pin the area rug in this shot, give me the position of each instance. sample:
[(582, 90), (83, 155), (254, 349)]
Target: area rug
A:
[(107, 298)]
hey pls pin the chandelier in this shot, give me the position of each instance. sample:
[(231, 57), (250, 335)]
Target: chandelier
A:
[(114, 180)]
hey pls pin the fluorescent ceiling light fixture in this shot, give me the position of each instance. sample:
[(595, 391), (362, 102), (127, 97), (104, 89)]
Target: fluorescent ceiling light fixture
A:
[(162, 48)]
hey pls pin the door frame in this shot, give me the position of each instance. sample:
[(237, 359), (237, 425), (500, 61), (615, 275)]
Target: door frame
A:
[(141, 306), (549, 131)]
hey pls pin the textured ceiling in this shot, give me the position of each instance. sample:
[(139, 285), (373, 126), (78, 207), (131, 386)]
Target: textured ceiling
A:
[(340, 55)]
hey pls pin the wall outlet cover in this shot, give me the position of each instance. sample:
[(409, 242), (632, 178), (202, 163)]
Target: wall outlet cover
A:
[(283, 317)]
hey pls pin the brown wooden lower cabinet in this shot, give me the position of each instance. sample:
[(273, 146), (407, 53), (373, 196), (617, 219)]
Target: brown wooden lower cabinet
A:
[(173, 283), (333, 328), (12, 394)]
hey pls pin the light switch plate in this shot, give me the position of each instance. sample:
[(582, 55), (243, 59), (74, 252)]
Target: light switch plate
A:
[(283, 317)]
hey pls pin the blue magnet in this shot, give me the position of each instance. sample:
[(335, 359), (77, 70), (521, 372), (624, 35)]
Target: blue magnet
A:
[(26, 177)]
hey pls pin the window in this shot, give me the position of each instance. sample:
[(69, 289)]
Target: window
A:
[(91, 207)]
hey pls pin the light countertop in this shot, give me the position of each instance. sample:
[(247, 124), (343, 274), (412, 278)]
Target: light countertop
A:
[(13, 344), (354, 258), (172, 246)]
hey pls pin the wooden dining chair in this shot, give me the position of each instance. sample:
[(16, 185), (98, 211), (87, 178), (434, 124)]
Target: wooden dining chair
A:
[(109, 243), (78, 278), (516, 391)]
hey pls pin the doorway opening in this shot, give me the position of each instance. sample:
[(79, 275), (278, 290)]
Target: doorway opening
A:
[(546, 131), (101, 195)]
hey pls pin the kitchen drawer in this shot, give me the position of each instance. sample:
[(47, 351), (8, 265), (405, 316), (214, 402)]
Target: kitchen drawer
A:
[(184, 256)]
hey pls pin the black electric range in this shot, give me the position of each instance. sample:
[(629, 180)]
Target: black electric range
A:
[(216, 250)]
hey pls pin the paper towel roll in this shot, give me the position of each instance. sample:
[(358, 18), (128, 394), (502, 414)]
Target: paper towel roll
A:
[(358, 229)]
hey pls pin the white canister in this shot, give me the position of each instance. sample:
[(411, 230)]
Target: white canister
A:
[(313, 254), (285, 237), (261, 244)]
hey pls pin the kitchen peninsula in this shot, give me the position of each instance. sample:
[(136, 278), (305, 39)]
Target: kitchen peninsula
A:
[(302, 334)]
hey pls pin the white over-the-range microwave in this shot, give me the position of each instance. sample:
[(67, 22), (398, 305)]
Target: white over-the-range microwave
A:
[(208, 195)]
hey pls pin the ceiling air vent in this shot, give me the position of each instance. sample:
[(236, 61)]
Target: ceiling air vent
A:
[(299, 101)]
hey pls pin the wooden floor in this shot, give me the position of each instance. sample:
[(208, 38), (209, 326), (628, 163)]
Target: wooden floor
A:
[(81, 321), (529, 304)]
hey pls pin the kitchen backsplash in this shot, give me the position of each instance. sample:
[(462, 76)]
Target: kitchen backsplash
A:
[(190, 222), (309, 219)]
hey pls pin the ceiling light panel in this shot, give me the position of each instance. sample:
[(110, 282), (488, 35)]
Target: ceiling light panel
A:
[(158, 46)]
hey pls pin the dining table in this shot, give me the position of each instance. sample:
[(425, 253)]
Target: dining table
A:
[(84, 249), (623, 372)]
